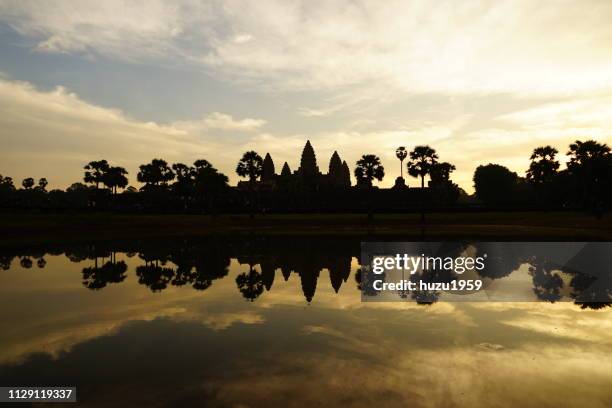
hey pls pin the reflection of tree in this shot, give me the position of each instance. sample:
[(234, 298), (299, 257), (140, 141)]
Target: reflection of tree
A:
[(365, 281), (5, 262), (154, 276), (250, 284), (501, 261), (546, 284), (428, 297), (26, 262), (97, 277), (592, 292)]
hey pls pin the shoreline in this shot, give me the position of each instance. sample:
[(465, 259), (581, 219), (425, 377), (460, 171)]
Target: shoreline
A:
[(490, 226)]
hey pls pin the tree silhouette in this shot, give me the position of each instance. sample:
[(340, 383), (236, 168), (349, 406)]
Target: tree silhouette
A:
[(95, 171), (585, 153), (209, 183), (26, 262), (115, 178), (250, 166), (98, 277), (543, 166), (494, 183), (590, 166), (154, 276), (156, 174), (369, 168), (250, 284), (42, 184), (184, 185), (401, 154), (440, 172), (28, 183), (6, 186), (422, 160)]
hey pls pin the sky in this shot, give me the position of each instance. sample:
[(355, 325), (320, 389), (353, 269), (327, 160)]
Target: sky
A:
[(479, 81)]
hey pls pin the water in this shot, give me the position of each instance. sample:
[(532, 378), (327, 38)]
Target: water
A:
[(279, 322)]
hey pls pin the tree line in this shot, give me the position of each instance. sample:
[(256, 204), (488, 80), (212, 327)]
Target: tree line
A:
[(585, 183)]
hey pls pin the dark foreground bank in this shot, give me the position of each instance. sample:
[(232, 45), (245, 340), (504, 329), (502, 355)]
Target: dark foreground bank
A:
[(491, 225)]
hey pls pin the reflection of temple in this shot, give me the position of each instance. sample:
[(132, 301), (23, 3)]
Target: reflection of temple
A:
[(303, 257), (200, 262)]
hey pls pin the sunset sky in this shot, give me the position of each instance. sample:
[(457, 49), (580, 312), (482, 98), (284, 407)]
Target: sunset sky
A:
[(129, 81)]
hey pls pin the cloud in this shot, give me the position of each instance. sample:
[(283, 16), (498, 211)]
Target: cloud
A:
[(221, 121), (415, 47), (53, 134)]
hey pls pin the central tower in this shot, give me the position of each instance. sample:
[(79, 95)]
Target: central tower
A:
[(308, 162)]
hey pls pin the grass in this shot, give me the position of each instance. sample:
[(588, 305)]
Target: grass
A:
[(486, 225)]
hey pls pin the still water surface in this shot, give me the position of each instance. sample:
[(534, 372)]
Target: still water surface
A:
[(279, 322)]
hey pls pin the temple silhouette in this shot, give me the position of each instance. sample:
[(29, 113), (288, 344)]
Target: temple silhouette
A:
[(308, 188), (308, 177)]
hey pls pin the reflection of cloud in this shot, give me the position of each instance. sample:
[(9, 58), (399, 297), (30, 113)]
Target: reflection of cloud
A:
[(221, 321)]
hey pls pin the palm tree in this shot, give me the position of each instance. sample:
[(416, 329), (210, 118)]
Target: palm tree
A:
[(115, 177), (184, 185), (155, 174), (440, 172), (543, 166), (95, 171), (28, 183), (591, 166), (209, 183), (250, 284), (251, 166), (369, 168), (42, 184), (422, 160), (401, 154)]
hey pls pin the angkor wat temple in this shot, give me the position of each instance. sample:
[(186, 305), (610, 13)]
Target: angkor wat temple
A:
[(307, 177), (309, 189)]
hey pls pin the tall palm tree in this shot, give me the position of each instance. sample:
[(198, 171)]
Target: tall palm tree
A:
[(401, 154), (95, 171), (209, 183), (28, 183), (422, 160), (42, 184), (251, 166), (590, 165), (369, 168), (155, 174), (543, 166), (115, 178), (440, 172)]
